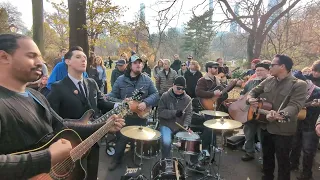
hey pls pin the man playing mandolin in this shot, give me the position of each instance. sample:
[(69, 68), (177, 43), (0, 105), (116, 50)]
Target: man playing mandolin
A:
[(287, 96), (26, 115)]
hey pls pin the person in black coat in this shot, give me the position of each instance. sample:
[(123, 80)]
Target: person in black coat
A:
[(192, 76), (71, 97), (176, 63)]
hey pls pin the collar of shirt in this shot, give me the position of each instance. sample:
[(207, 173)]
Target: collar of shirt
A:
[(75, 81)]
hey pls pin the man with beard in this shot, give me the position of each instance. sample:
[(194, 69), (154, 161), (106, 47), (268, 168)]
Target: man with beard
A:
[(26, 115), (315, 74), (287, 96), (251, 128), (132, 79)]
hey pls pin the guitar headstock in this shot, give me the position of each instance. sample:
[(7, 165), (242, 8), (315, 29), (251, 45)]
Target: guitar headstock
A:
[(137, 94)]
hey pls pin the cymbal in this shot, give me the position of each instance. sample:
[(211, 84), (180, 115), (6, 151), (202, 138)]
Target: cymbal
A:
[(224, 124), (140, 133), (215, 113)]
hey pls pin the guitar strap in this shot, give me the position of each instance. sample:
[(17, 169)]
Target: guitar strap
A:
[(284, 100), (52, 112)]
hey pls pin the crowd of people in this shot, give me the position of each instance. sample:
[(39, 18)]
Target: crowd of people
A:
[(76, 86)]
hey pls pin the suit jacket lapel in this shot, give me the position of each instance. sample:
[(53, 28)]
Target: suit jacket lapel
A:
[(74, 90)]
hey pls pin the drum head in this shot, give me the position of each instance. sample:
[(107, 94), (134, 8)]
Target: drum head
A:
[(187, 136)]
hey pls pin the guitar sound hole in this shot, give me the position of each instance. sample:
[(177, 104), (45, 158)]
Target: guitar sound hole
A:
[(62, 170)]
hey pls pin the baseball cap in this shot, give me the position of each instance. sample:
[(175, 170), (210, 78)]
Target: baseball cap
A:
[(133, 58), (121, 62)]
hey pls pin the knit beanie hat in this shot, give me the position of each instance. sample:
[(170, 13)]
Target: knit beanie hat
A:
[(180, 81)]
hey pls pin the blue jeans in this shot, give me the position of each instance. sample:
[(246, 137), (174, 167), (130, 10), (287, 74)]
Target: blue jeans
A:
[(250, 130), (166, 140)]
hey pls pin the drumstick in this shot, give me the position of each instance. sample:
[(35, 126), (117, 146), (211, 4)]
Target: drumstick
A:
[(181, 127), (187, 105), (177, 169)]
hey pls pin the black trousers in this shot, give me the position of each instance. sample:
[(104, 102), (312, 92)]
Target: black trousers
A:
[(307, 141), (276, 146), (93, 163)]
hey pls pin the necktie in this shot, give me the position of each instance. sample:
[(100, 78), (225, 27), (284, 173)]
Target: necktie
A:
[(81, 89)]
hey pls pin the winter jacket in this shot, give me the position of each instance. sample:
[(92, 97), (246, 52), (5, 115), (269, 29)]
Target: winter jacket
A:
[(192, 80), (165, 82)]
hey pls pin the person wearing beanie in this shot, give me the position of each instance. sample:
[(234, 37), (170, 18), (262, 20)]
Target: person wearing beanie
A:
[(306, 138), (252, 128), (175, 106)]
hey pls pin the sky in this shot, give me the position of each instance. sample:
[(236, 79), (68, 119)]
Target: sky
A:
[(132, 8)]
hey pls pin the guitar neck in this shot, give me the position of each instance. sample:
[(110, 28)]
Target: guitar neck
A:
[(113, 99), (116, 110), (85, 145)]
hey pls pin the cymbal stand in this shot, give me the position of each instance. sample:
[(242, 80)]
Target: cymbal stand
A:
[(214, 150), (140, 176)]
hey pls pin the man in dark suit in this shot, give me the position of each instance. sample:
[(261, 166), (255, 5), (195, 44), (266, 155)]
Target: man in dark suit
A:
[(74, 95)]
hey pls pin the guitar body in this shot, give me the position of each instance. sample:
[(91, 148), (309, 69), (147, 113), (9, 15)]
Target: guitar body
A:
[(253, 112), (72, 170), (302, 114), (238, 110), (208, 103)]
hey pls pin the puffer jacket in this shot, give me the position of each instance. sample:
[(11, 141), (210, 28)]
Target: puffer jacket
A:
[(164, 82)]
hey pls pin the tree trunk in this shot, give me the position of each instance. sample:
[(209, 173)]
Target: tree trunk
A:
[(78, 35), (37, 12), (250, 49)]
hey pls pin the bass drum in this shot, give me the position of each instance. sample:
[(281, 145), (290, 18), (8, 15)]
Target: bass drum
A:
[(168, 169)]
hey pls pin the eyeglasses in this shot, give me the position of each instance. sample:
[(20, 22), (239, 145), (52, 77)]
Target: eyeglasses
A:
[(183, 65), (271, 65), (180, 88)]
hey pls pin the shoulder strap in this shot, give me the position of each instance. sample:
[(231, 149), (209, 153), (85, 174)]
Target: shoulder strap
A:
[(284, 100), (52, 112)]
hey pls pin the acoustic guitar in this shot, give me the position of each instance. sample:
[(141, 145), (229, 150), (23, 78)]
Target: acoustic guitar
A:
[(209, 103), (223, 77), (71, 168)]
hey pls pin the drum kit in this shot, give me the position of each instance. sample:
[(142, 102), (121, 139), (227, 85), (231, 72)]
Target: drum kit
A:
[(147, 146)]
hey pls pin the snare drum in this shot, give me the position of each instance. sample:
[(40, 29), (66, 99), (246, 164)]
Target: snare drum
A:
[(167, 169), (189, 143), (150, 149)]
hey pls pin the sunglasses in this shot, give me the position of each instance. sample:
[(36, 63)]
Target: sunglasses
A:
[(183, 65), (180, 88)]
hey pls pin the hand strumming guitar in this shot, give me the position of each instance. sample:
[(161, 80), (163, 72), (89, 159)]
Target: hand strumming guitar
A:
[(252, 101), (217, 93), (59, 151)]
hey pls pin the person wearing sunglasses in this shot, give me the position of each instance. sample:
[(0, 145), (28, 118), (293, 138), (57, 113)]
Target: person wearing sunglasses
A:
[(175, 106), (183, 69), (287, 95)]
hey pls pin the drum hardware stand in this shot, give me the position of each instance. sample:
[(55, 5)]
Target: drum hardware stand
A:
[(140, 176), (215, 150)]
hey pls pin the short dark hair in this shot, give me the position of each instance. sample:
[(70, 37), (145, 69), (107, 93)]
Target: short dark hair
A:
[(63, 49), (285, 60), (9, 42), (68, 55), (316, 66)]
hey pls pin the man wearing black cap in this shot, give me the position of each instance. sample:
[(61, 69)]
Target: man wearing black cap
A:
[(123, 87), (253, 127), (118, 71), (175, 106), (306, 138)]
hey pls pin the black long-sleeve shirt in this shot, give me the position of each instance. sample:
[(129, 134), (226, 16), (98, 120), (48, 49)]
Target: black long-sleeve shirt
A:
[(23, 122)]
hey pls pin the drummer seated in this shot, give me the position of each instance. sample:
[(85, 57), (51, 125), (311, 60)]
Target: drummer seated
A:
[(175, 106)]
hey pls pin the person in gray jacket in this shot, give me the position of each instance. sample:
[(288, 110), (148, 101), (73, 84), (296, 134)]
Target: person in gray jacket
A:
[(165, 77), (175, 106)]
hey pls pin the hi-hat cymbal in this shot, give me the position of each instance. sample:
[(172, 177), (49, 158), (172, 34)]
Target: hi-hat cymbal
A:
[(140, 133), (215, 113), (224, 124)]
